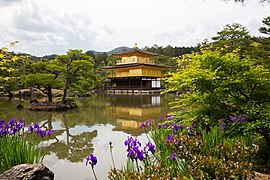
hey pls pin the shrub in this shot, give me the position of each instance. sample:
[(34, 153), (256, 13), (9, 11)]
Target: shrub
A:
[(188, 152)]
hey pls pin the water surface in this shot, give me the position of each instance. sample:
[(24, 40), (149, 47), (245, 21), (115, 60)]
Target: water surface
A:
[(89, 129)]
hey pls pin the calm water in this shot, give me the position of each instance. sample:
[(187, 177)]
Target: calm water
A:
[(88, 129)]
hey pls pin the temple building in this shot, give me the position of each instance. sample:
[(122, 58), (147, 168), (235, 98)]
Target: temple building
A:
[(134, 73)]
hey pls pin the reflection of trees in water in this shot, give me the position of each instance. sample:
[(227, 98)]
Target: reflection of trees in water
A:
[(91, 111), (74, 149)]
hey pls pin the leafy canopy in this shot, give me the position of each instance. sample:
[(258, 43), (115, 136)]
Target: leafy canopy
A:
[(227, 78)]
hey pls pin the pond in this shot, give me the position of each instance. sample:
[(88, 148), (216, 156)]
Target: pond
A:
[(89, 129)]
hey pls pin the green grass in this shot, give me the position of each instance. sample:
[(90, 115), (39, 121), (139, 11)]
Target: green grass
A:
[(16, 150)]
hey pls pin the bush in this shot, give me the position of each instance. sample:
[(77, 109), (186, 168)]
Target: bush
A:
[(191, 153)]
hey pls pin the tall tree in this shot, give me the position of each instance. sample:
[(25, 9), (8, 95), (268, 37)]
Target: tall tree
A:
[(101, 60), (233, 37), (75, 64), (266, 28), (261, 45), (224, 85), (226, 79), (10, 65), (43, 76)]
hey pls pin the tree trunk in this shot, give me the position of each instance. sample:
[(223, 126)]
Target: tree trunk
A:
[(266, 136), (10, 95), (65, 91), (49, 94)]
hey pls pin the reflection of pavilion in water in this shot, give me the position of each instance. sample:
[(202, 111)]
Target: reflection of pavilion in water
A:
[(130, 111)]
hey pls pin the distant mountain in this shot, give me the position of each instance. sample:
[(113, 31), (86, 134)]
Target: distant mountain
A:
[(114, 51), (118, 50)]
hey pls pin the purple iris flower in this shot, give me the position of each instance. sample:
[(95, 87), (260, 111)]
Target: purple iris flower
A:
[(166, 125), (140, 154), (143, 126), (172, 156), (2, 123), (149, 121), (169, 139), (131, 153), (198, 133), (91, 159), (133, 148), (30, 129), (128, 141), (161, 119), (244, 116), (175, 128), (234, 118), (11, 132), (4, 131), (181, 127), (22, 123), (150, 147), (36, 126), (41, 133), (15, 129), (12, 122), (49, 132)]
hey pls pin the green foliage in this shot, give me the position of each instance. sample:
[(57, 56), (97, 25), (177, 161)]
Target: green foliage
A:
[(101, 59), (232, 37), (266, 28), (166, 61), (77, 71), (226, 78), (16, 150), (10, 69), (112, 60), (187, 153), (43, 75), (170, 51), (151, 172), (90, 53), (220, 85)]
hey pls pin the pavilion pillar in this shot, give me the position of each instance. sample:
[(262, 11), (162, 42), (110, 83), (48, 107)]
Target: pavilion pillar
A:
[(141, 83)]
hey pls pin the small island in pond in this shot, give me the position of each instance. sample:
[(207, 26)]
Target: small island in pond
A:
[(52, 106)]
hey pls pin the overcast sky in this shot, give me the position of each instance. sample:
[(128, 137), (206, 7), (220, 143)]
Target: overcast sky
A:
[(54, 26)]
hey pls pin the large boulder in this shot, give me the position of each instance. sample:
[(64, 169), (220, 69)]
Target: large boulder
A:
[(28, 172)]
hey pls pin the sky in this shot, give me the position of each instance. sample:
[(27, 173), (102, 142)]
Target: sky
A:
[(45, 27)]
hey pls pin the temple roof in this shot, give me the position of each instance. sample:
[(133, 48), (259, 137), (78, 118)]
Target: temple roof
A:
[(134, 65), (135, 50)]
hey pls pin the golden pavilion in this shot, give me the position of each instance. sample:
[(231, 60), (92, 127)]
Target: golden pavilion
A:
[(135, 73)]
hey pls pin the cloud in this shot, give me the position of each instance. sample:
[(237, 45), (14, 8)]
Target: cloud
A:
[(45, 27), (9, 2), (42, 31)]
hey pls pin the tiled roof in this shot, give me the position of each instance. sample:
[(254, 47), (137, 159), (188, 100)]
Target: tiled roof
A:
[(133, 65), (135, 50)]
